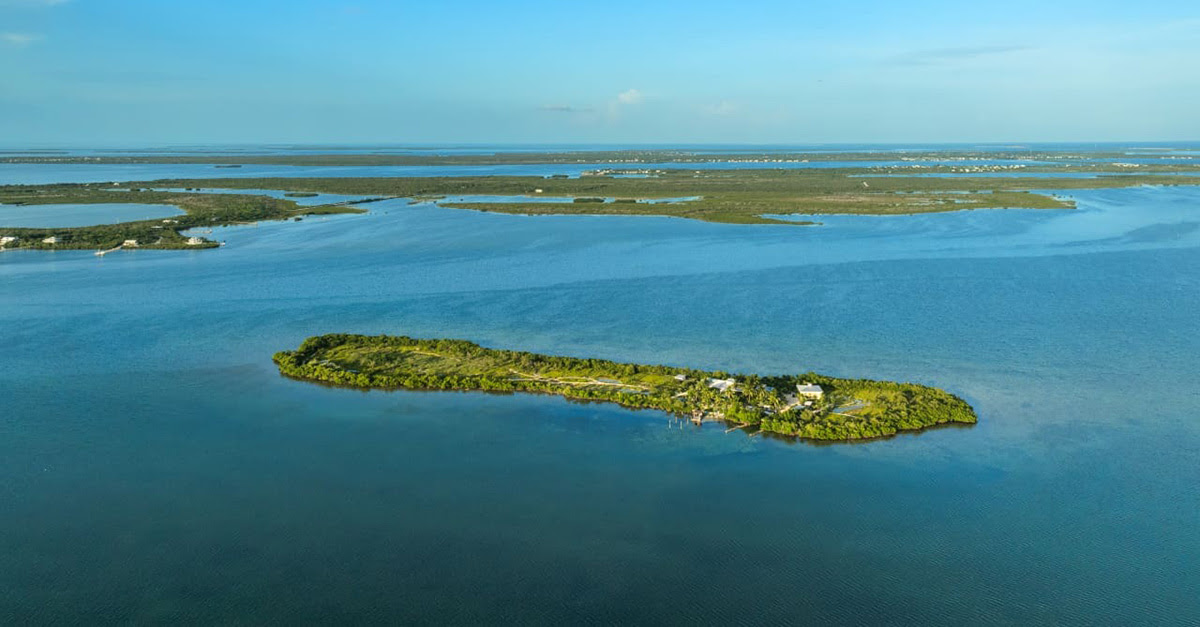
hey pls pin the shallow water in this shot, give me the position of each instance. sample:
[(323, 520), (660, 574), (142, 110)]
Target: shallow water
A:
[(68, 215), (158, 469)]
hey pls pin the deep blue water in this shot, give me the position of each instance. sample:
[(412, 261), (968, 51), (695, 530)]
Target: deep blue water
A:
[(157, 469)]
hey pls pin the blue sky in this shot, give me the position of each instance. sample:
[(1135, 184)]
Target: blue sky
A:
[(138, 72)]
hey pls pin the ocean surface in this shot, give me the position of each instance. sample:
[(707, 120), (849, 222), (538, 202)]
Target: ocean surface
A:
[(68, 215), (157, 469)]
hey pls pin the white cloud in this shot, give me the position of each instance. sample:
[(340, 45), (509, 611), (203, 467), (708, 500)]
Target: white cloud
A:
[(721, 108), (629, 97), (19, 39), (564, 108), (964, 53)]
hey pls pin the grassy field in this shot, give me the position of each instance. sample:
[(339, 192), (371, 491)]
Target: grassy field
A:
[(201, 210), (850, 409)]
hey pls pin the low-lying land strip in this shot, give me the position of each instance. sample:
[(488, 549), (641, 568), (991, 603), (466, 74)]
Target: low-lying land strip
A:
[(729, 196), (201, 211), (631, 157), (753, 196), (809, 406)]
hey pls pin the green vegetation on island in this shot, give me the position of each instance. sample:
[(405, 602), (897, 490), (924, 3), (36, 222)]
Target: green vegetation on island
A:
[(749, 196), (200, 211), (809, 406)]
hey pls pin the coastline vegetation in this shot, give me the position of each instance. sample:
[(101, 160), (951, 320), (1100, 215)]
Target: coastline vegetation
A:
[(200, 211), (727, 196), (844, 410), (749, 196)]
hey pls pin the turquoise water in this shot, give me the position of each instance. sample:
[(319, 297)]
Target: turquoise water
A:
[(157, 469), (67, 215)]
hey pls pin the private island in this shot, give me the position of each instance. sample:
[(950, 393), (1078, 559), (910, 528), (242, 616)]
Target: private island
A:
[(808, 406)]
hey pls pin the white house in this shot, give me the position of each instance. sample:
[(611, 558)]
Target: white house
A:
[(194, 241), (130, 243), (722, 384), (809, 390), (53, 239), (7, 239)]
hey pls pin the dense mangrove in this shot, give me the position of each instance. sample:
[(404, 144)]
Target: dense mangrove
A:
[(809, 406)]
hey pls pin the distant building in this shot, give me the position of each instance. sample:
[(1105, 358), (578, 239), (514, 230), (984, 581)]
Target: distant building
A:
[(809, 390), (194, 241), (722, 385), (130, 243), (8, 239), (681, 377), (53, 239)]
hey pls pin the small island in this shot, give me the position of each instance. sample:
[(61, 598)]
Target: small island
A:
[(809, 406), (201, 211)]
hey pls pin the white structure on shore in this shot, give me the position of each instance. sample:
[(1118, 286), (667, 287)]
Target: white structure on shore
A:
[(53, 239), (809, 390), (8, 239), (130, 243), (722, 385), (194, 241)]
